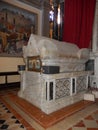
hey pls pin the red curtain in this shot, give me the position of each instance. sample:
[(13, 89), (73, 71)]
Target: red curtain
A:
[(78, 21)]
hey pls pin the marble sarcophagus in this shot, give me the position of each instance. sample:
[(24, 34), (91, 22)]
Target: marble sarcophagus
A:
[(55, 74)]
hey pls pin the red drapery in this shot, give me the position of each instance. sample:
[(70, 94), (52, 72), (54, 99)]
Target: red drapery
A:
[(78, 21)]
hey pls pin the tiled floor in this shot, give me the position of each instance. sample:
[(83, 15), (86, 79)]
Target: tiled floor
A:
[(18, 114), (90, 122), (8, 121)]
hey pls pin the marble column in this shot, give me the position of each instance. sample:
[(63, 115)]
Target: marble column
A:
[(95, 31), (94, 51)]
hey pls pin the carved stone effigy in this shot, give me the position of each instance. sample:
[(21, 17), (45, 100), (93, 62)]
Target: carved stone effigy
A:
[(51, 92), (52, 52)]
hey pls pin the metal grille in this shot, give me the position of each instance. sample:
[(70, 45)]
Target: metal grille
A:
[(81, 83), (62, 88)]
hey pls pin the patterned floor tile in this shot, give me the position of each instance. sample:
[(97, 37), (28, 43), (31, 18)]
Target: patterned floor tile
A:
[(79, 128), (88, 123), (90, 117), (80, 124), (95, 116), (91, 124), (8, 121)]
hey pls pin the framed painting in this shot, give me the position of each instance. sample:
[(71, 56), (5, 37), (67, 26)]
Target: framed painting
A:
[(16, 25), (34, 63)]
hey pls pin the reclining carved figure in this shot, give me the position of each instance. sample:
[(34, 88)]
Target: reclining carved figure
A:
[(56, 53)]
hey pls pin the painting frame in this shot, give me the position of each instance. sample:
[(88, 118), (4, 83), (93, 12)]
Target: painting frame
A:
[(6, 51), (34, 63)]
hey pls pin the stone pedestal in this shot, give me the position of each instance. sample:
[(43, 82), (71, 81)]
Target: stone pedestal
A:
[(51, 92)]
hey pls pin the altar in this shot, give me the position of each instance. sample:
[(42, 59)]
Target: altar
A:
[(55, 74)]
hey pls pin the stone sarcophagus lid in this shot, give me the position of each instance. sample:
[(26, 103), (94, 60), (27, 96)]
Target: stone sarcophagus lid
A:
[(55, 74), (55, 53)]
